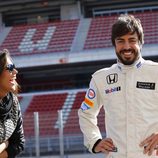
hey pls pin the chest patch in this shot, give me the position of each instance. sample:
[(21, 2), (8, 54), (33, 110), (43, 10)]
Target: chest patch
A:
[(111, 90), (112, 78), (146, 85)]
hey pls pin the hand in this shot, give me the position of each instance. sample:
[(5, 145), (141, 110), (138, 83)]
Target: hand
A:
[(105, 145), (4, 154), (3, 146), (150, 144)]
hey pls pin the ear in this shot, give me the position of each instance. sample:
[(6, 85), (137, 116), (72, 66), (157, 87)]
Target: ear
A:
[(140, 45)]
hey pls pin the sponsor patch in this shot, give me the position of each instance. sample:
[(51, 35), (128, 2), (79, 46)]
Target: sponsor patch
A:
[(138, 65), (111, 90), (146, 85), (91, 94), (84, 106), (112, 78), (87, 104)]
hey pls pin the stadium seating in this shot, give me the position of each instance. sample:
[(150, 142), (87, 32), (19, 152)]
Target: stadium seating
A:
[(73, 120), (41, 38), (47, 105), (99, 34), (59, 36), (150, 25)]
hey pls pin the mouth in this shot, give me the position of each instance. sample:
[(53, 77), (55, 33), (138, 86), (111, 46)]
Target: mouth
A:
[(12, 81), (127, 54)]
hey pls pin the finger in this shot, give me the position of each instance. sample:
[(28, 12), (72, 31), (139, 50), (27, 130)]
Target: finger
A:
[(147, 140), (114, 149), (151, 146), (147, 148), (104, 144), (108, 145), (156, 152), (104, 151), (108, 142), (107, 150), (150, 151)]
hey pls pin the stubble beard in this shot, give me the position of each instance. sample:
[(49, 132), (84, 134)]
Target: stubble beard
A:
[(128, 61)]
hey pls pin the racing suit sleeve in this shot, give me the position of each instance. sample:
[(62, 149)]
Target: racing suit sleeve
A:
[(88, 113)]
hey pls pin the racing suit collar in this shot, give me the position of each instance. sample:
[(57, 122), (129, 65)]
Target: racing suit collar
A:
[(137, 64)]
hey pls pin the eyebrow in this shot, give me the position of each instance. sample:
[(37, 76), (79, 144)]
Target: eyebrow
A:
[(119, 38)]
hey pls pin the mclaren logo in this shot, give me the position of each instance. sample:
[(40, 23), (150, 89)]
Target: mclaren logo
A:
[(112, 78)]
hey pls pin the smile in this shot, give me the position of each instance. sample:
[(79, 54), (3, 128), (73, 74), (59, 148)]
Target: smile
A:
[(127, 54)]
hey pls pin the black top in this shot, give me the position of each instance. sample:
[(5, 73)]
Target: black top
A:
[(16, 140)]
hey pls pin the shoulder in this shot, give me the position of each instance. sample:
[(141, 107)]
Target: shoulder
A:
[(150, 67), (150, 63), (15, 98), (15, 102), (104, 71)]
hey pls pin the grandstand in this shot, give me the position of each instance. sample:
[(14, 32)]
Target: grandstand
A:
[(56, 46)]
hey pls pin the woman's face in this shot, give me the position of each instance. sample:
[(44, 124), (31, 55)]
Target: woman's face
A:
[(8, 78)]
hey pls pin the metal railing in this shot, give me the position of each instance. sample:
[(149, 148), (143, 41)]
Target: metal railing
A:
[(43, 138)]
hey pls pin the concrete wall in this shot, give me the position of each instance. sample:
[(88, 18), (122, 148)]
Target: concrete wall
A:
[(70, 12)]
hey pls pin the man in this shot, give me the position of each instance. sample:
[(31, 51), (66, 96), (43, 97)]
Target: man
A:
[(128, 91)]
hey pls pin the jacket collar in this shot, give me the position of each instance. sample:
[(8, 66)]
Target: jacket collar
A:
[(136, 65)]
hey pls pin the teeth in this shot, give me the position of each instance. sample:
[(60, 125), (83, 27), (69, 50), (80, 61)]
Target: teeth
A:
[(127, 53)]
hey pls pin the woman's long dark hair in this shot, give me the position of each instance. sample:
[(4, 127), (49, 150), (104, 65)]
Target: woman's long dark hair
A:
[(4, 54)]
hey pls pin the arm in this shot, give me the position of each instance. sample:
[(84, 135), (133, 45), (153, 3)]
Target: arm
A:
[(16, 141), (3, 146), (4, 154), (88, 112)]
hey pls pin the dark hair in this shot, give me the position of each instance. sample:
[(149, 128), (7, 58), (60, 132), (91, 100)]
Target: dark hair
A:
[(3, 59), (127, 24), (4, 54)]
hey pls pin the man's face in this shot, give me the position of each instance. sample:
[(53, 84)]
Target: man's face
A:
[(127, 48)]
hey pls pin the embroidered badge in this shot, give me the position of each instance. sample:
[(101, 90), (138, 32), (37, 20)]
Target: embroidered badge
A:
[(111, 90), (112, 78), (84, 106), (91, 94), (87, 104), (146, 85)]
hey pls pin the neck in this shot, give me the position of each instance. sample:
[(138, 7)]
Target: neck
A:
[(2, 94), (134, 63)]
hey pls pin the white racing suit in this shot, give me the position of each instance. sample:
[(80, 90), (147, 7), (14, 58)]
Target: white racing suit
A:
[(129, 95)]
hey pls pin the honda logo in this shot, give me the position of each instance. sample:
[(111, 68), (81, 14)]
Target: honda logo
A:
[(112, 78)]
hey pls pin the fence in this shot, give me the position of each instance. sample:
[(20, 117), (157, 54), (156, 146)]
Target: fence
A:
[(44, 137)]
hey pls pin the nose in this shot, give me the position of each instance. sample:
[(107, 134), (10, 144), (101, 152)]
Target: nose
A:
[(15, 71), (126, 45)]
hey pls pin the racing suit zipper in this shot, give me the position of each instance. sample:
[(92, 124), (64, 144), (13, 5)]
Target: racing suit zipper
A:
[(126, 102)]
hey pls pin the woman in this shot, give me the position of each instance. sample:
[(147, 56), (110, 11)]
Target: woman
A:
[(11, 129)]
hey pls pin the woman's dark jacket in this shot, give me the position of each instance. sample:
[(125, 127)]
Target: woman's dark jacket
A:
[(16, 139)]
